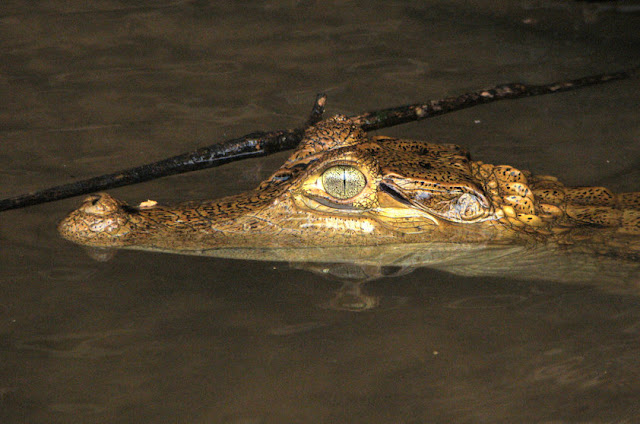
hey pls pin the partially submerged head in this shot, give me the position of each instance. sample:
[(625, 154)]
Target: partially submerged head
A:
[(339, 187)]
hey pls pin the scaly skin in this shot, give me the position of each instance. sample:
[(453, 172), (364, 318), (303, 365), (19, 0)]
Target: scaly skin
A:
[(406, 192)]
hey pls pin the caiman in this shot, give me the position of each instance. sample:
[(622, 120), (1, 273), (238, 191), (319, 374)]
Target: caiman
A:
[(344, 188)]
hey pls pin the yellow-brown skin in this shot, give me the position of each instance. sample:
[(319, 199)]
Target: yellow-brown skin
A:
[(413, 192)]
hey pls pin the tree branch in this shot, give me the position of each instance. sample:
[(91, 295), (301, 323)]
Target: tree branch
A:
[(384, 118), (265, 143)]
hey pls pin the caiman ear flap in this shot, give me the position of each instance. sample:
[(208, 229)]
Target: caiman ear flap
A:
[(463, 205), (469, 207), (336, 132)]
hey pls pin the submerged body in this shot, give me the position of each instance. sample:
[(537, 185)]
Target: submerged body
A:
[(342, 188)]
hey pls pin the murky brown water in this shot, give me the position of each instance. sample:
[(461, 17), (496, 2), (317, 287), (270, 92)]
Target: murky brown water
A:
[(92, 87)]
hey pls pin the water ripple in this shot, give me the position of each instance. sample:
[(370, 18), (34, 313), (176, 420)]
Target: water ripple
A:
[(487, 302)]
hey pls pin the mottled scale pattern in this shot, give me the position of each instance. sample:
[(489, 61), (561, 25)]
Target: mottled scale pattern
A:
[(630, 200), (543, 206), (443, 163), (520, 204), (590, 196), (332, 133), (630, 222), (518, 189), (550, 195), (506, 173), (596, 215)]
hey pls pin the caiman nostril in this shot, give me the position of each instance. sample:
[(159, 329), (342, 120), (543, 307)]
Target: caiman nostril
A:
[(92, 199), (100, 204)]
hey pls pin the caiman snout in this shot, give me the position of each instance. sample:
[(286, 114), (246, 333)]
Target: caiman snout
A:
[(100, 217)]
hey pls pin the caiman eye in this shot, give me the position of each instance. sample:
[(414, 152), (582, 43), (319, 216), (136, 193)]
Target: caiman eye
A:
[(343, 181)]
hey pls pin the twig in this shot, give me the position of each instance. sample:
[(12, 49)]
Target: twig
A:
[(384, 118), (318, 110), (252, 145), (265, 143), (249, 146)]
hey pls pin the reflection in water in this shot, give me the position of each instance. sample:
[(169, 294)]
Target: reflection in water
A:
[(90, 345), (484, 302), (350, 296), (303, 327), (249, 341), (354, 266)]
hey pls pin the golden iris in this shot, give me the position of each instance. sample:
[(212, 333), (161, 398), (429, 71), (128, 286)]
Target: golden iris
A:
[(343, 181)]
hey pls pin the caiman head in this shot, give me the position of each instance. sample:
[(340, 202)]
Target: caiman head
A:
[(339, 187)]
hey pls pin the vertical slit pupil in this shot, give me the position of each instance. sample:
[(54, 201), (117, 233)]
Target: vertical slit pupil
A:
[(344, 181)]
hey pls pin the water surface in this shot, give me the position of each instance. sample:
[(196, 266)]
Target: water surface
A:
[(90, 88)]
